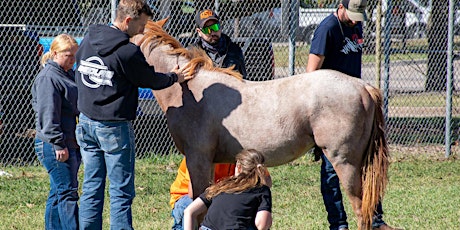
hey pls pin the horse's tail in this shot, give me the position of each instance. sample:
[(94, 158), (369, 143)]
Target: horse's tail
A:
[(375, 162)]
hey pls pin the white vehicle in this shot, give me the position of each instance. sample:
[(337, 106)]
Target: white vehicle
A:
[(409, 18), (309, 19)]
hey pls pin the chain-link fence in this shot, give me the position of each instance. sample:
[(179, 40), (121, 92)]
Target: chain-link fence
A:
[(406, 54)]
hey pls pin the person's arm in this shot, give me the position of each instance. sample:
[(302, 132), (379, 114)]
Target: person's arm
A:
[(191, 213), (314, 62), (268, 180), (263, 220), (145, 76), (48, 107), (190, 189)]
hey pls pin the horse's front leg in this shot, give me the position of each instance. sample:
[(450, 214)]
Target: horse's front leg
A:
[(200, 167)]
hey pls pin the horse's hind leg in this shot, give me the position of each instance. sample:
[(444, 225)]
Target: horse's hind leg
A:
[(350, 178)]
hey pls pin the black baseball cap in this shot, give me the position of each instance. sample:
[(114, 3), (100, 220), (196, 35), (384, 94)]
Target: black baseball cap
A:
[(203, 16)]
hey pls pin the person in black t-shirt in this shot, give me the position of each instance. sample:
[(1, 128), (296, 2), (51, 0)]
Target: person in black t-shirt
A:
[(242, 201), (338, 44)]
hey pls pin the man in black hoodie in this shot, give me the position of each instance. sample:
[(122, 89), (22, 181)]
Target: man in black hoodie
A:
[(219, 47), (110, 70)]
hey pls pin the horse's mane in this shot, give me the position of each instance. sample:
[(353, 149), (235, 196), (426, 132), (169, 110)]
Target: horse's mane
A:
[(154, 35)]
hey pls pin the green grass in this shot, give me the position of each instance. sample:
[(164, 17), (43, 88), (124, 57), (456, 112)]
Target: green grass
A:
[(422, 194), (281, 54), (430, 99), (413, 51)]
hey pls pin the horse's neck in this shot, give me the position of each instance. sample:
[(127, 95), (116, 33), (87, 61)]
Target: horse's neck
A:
[(160, 59), (169, 97), (173, 96), (164, 62)]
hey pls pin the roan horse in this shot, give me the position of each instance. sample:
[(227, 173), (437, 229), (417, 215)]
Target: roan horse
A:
[(214, 116)]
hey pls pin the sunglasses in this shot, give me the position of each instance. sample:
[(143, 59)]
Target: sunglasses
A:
[(213, 27)]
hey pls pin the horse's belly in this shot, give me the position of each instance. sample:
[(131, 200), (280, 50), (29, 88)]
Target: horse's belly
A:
[(278, 151)]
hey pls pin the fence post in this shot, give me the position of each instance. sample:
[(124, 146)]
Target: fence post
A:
[(449, 77), (387, 53), (113, 11), (293, 26), (378, 45)]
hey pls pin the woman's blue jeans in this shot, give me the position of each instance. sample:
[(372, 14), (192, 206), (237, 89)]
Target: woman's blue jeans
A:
[(178, 212), (61, 207), (107, 149), (332, 197)]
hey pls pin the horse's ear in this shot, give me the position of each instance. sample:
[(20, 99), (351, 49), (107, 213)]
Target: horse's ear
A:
[(162, 22)]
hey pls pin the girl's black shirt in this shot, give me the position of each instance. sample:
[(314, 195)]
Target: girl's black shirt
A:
[(236, 210)]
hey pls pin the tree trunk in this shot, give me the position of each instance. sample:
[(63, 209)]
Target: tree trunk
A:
[(437, 46)]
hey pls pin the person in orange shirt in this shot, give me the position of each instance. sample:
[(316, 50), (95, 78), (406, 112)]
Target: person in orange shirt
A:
[(179, 191)]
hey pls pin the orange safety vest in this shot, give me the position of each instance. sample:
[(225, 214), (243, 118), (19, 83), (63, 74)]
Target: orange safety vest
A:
[(179, 187)]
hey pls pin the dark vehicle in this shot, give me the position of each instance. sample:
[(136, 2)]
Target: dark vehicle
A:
[(20, 53), (259, 58)]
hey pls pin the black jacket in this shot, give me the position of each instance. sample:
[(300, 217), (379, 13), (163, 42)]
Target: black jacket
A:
[(109, 71), (228, 54), (54, 100)]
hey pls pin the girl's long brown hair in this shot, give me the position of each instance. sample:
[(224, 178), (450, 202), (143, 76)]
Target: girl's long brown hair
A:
[(253, 174)]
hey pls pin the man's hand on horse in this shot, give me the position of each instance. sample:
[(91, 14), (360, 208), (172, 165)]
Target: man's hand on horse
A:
[(185, 73)]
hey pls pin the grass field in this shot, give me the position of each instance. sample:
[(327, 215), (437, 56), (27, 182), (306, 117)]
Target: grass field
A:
[(422, 194)]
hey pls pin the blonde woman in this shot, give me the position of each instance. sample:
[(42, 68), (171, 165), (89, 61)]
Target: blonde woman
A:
[(242, 201), (54, 100)]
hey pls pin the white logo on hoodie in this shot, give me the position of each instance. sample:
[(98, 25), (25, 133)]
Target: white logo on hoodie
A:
[(96, 72)]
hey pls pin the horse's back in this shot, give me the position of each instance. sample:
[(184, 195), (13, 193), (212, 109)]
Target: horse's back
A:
[(289, 115)]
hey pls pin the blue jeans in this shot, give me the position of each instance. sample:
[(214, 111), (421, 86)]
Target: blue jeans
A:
[(332, 197), (61, 206), (108, 150), (178, 212)]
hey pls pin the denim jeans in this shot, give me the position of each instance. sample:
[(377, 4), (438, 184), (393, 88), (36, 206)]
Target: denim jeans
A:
[(107, 149), (332, 197), (178, 212), (61, 206)]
